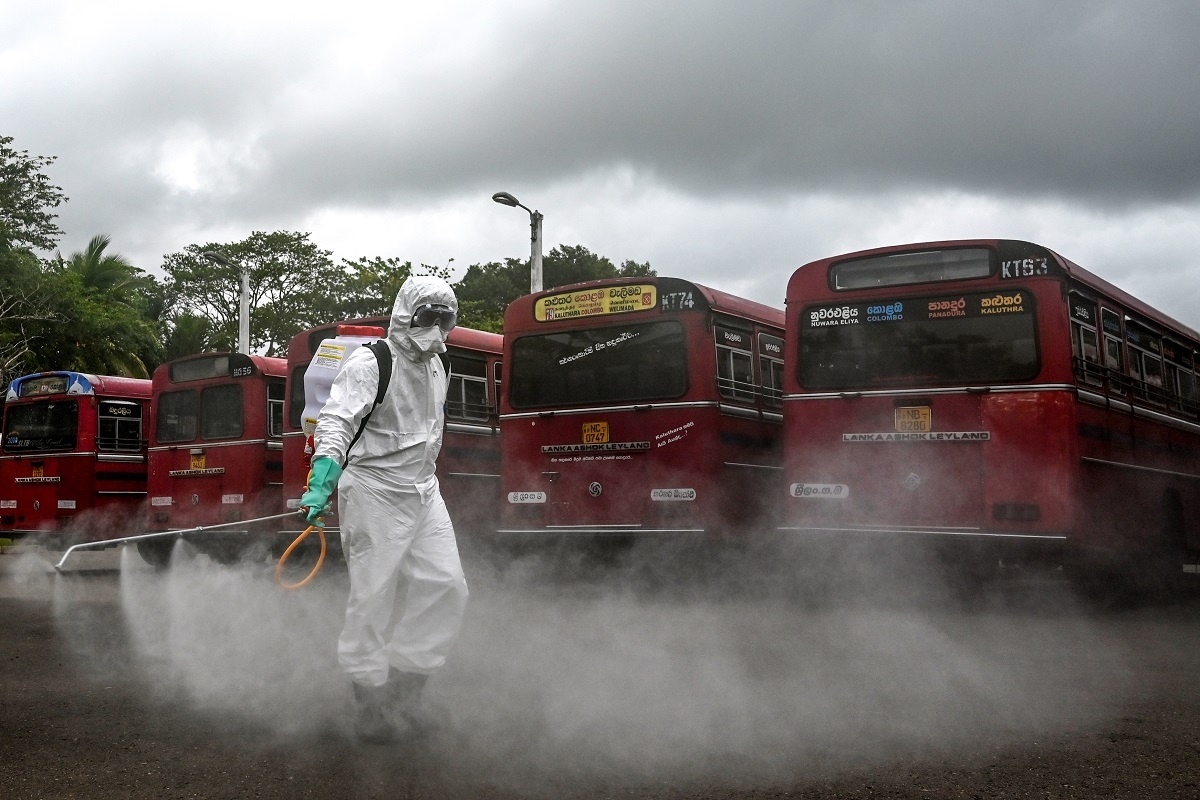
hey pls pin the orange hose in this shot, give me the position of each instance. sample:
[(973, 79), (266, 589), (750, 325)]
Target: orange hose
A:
[(283, 559)]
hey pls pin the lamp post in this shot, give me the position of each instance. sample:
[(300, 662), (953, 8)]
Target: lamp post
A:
[(535, 239), (244, 305)]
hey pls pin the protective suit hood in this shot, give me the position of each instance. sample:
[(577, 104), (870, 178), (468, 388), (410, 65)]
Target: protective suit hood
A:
[(419, 343)]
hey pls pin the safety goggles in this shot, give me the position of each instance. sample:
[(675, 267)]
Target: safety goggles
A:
[(429, 314)]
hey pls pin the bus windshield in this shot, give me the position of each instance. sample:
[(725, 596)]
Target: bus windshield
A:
[(614, 364), (919, 341), (32, 427)]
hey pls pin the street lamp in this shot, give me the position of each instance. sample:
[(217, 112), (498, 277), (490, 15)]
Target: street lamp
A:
[(244, 306), (535, 239)]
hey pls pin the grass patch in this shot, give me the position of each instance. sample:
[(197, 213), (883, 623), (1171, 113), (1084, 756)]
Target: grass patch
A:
[(6, 542)]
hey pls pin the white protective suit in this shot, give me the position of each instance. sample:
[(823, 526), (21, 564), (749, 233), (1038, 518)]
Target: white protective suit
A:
[(393, 522)]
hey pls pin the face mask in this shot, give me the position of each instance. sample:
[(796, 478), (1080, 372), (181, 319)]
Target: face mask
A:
[(428, 340)]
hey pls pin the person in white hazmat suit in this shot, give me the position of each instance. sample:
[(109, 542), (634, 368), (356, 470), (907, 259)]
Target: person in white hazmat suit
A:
[(396, 533)]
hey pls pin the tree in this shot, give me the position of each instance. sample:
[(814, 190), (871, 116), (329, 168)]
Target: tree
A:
[(187, 335), (294, 285), (103, 315), (22, 312), (109, 273), (486, 289), (370, 285), (26, 223), (26, 197)]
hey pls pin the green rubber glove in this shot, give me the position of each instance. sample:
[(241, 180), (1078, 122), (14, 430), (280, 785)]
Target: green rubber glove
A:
[(322, 480)]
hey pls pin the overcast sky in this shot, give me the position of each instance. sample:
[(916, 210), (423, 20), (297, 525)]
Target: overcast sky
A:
[(723, 142)]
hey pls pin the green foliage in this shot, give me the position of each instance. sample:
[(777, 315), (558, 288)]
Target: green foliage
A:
[(23, 308), (187, 335), (91, 331), (294, 285), (100, 315), (95, 312), (370, 285), (26, 197), (26, 223), (486, 289), (107, 273)]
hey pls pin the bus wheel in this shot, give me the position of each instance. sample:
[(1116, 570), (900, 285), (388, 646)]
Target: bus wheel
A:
[(156, 552)]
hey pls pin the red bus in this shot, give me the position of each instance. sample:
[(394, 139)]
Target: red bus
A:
[(216, 451), (639, 407), (995, 400), (73, 457), (468, 467)]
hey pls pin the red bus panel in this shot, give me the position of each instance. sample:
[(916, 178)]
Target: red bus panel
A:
[(216, 450), (73, 457), (988, 393), (639, 407)]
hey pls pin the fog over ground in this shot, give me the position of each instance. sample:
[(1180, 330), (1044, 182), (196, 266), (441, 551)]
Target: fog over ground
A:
[(727, 143), (626, 675)]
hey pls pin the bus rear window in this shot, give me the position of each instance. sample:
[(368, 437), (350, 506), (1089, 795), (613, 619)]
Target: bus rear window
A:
[(900, 269), (919, 341), (222, 411), (614, 364), (40, 427), (176, 416)]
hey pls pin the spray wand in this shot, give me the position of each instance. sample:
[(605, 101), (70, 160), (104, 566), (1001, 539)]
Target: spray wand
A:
[(161, 534)]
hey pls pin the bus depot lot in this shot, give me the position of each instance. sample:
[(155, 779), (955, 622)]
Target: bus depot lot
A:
[(208, 681)]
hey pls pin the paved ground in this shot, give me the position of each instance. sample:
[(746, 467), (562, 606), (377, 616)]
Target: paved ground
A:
[(207, 681)]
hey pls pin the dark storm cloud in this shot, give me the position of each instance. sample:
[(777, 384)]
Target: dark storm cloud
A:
[(770, 131), (1091, 101)]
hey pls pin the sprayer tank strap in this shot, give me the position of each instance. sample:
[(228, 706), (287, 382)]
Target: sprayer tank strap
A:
[(383, 359)]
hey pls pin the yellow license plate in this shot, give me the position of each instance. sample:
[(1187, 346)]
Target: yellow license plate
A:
[(39, 471), (198, 462), (914, 419), (595, 432)]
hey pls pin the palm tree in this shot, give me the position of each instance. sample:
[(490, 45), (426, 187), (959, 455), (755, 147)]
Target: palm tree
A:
[(107, 273), (114, 327)]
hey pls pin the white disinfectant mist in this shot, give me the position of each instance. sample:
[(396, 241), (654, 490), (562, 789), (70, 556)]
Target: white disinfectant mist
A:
[(604, 675)]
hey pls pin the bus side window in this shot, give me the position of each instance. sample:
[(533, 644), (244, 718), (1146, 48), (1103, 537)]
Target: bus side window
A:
[(735, 372), (1187, 390), (1153, 370), (466, 396), (497, 369), (1085, 339), (1113, 362), (770, 367), (275, 394), (1085, 344), (1145, 365), (120, 425)]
